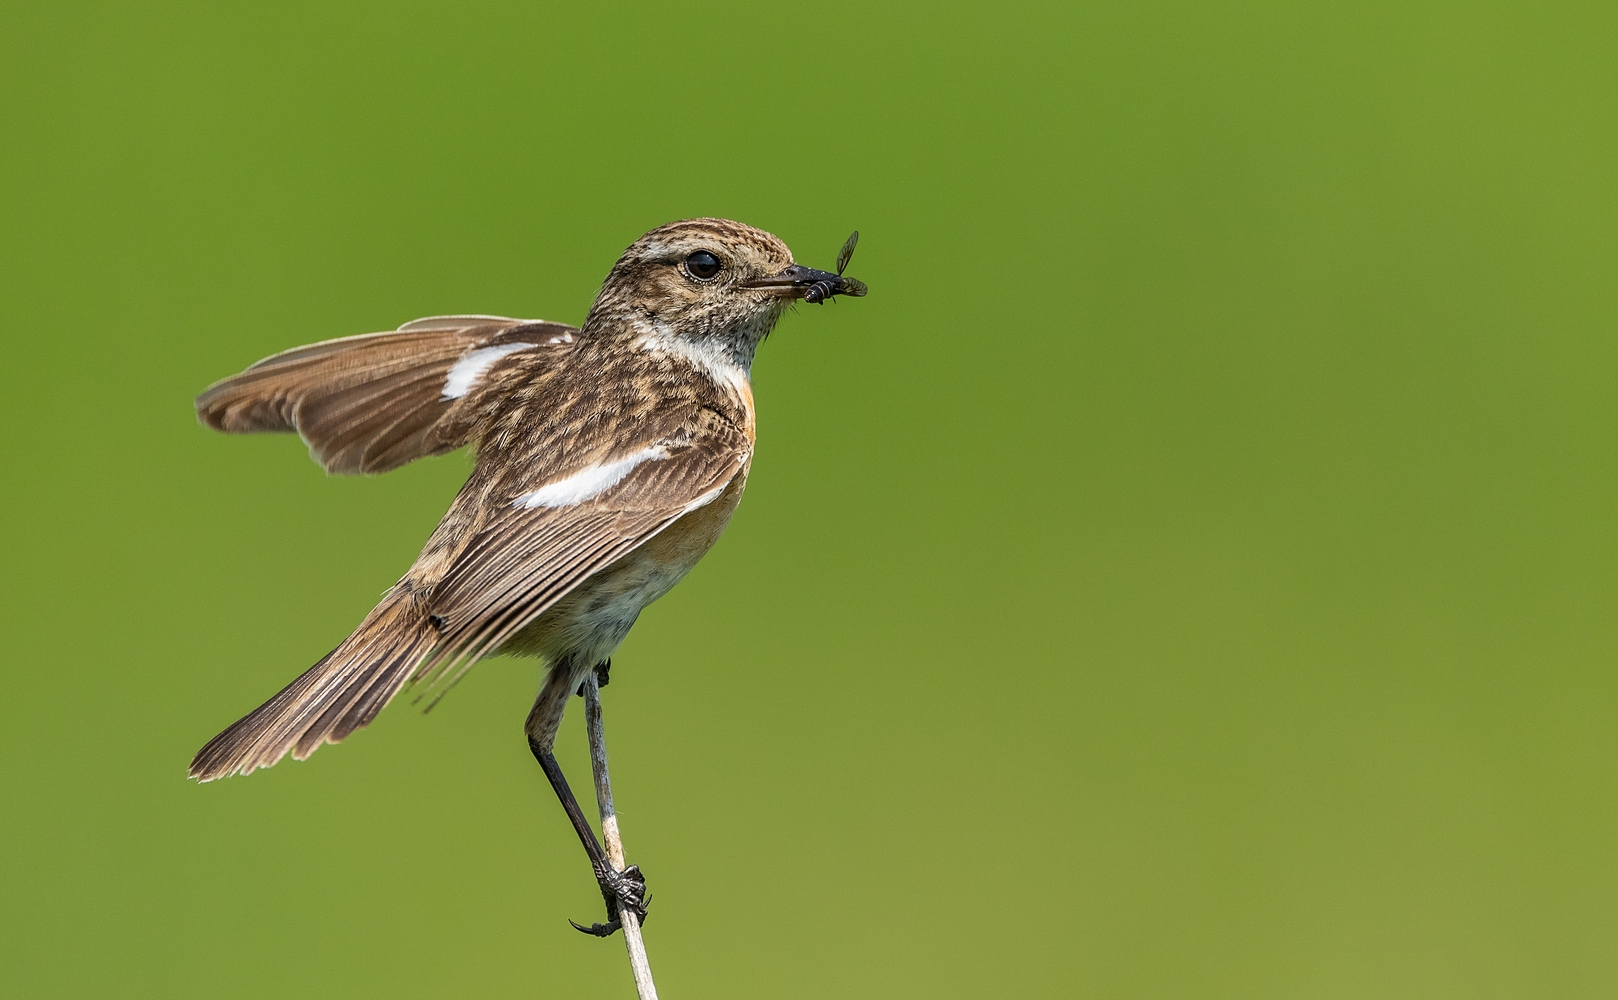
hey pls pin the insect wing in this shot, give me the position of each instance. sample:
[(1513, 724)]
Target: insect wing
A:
[(847, 251)]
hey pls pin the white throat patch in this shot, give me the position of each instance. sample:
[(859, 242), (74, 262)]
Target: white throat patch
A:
[(712, 359)]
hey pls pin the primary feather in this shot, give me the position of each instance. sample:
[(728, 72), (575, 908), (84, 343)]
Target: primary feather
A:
[(374, 402)]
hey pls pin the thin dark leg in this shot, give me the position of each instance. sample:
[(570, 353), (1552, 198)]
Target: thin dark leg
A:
[(581, 826), (618, 889)]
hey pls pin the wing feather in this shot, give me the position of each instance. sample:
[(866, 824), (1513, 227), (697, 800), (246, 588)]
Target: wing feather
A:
[(523, 560), (377, 401)]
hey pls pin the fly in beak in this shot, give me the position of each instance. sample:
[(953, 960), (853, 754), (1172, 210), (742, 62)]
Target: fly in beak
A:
[(799, 282)]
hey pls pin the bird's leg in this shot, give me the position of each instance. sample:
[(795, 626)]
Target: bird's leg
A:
[(612, 838), (619, 889)]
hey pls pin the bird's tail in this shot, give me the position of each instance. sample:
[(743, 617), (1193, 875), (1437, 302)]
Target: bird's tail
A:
[(341, 693)]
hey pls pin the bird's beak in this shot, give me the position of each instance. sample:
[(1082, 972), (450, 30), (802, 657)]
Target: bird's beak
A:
[(796, 280)]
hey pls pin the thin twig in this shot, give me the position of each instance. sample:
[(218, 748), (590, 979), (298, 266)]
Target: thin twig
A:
[(609, 835)]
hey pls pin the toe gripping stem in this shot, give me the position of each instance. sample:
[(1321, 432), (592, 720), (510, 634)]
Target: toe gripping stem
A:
[(620, 891)]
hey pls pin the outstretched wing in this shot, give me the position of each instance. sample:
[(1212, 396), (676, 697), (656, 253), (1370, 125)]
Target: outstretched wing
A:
[(374, 402), (542, 536)]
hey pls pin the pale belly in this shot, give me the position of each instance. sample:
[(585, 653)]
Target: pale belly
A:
[(585, 626)]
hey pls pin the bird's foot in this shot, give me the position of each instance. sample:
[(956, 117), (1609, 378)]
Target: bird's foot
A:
[(625, 890), (602, 669)]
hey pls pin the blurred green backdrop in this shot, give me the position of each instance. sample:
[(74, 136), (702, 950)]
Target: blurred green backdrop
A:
[(1190, 573)]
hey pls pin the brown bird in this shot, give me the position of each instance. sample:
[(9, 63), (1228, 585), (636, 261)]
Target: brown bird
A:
[(609, 459)]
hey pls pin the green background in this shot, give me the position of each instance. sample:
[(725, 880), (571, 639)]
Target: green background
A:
[(1190, 573)]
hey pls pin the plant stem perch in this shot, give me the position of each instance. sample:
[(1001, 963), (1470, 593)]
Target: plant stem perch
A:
[(610, 837)]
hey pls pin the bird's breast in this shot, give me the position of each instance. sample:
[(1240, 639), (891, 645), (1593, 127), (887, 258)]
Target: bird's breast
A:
[(590, 622)]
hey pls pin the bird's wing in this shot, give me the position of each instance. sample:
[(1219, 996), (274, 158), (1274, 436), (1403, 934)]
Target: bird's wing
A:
[(374, 402), (543, 534)]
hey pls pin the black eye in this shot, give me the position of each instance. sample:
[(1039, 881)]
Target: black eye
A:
[(702, 265)]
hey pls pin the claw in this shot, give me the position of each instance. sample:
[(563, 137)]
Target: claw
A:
[(620, 890), (601, 669)]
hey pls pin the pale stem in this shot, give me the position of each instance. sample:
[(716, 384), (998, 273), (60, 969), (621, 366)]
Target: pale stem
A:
[(610, 836)]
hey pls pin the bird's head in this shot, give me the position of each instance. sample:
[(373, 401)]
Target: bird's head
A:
[(710, 283)]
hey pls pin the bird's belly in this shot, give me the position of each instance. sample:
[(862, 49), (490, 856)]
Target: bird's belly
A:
[(588, 623)]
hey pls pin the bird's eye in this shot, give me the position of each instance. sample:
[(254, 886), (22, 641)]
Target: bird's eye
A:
[(702, 265)]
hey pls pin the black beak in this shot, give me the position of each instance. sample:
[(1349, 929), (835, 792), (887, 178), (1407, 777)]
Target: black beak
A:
[(806, 282)]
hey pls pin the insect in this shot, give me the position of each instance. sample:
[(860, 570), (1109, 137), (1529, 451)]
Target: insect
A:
[(824, 289)]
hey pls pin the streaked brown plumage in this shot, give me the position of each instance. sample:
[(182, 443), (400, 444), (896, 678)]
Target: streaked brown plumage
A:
[(609, 459)]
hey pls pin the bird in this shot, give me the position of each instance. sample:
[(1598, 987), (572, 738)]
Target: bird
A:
[(609, 458)]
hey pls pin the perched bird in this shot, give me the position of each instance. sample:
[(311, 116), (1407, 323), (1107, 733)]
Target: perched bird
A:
[(609, 459)]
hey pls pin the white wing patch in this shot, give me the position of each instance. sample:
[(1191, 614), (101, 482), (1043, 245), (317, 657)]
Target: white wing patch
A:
[(706, 499), (469, 369), (588, 482)]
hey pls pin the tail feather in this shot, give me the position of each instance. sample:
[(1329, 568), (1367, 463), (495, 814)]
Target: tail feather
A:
[(333, 698)]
